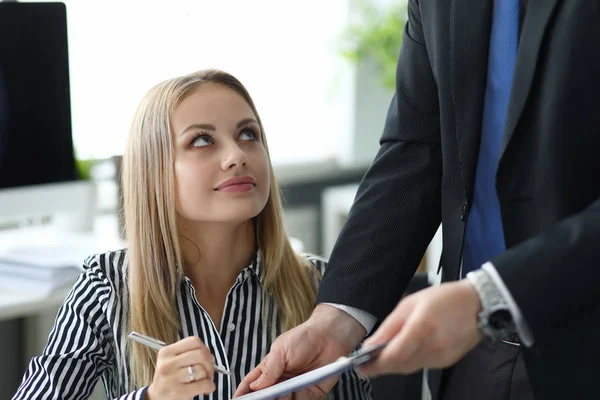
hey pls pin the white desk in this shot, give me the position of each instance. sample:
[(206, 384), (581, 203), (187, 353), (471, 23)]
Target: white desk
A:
[(21, 303), (26, 317), (17, 305)]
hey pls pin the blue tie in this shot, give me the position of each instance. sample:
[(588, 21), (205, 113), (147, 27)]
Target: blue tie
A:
[(484, 237)]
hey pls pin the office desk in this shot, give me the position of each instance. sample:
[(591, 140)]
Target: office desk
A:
[(21, 303), (18, 305), (26, 317)]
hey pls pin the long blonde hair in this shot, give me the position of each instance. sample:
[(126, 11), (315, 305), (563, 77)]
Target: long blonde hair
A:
[(150, 224)]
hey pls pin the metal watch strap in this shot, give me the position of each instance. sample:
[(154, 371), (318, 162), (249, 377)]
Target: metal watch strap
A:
[(489, 294), (491, 300)]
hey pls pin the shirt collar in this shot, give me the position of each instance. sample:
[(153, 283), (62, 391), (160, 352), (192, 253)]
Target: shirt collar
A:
[(255, 268)]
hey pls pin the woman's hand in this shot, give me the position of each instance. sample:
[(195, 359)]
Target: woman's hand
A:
[(183, 370)]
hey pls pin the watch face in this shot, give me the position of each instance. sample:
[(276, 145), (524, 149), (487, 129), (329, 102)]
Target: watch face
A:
[(500, 319)]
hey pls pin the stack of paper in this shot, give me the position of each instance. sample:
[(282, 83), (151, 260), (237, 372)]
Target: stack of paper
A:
[(42, 270)]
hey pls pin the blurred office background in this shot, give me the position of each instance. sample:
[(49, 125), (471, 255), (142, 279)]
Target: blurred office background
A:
[(323, 115)]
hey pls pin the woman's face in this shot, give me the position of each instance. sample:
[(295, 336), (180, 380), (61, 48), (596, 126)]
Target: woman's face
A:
[(221, 165)]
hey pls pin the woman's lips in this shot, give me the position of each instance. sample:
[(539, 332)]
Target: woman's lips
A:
[(237, 187)]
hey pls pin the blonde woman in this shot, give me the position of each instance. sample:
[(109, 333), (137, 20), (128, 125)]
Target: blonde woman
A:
[(208, 269)]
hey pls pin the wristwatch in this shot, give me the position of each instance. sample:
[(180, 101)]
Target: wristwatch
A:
[(495, 319)]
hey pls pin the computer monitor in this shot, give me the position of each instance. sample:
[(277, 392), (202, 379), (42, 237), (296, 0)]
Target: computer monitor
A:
[(38, 174)]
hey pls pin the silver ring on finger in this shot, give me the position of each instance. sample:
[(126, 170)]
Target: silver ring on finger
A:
[(191, 374)]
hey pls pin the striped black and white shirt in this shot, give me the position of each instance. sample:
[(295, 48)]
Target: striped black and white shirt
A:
[(88, 338)]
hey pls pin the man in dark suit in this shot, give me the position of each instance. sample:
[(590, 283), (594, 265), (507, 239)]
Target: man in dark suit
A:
[(3, 117), (494, 131)]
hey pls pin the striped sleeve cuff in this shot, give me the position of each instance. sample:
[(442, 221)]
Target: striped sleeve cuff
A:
[(139, 394)]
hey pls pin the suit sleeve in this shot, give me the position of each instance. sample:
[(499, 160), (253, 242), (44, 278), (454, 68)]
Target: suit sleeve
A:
[(563, 263), (397, 209)]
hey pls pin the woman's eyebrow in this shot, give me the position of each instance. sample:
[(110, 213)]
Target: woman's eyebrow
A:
[(246, 121), (207, 127), (210, 127)]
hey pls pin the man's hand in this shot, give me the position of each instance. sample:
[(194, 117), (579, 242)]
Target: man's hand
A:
[(432, 328), (327, 335)]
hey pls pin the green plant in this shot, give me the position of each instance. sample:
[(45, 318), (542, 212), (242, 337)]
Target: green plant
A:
[(84, 168), (376, 36)]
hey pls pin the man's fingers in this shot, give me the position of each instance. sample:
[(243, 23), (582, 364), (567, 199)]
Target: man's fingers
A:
[(266, 374), (401, 355), (244, 386), (272, 367), (392, 325), (405, 350)]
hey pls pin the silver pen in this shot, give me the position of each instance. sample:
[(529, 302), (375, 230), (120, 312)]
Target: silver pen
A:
[(157, 345)]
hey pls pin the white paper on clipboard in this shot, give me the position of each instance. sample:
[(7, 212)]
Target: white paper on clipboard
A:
[(300, 382), (313, 377)]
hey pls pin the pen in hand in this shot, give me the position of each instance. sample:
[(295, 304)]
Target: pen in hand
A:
[(157, 345)]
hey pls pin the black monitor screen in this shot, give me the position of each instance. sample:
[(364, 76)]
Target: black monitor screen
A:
[(36, 146)]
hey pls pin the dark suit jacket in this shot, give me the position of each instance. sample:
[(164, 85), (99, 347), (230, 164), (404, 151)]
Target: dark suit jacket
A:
[(548, 178)]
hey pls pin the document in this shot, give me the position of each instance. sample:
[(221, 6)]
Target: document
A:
[(300, 382), (313, 377)]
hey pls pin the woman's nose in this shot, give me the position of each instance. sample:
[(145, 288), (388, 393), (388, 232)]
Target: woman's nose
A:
[(234, 157)]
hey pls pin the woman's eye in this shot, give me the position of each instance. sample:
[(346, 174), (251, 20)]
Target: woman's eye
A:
[(247, 134), (202, 140)]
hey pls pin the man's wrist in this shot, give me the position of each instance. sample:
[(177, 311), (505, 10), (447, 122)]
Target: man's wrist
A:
[(525, 334), (366, 319), (339, 324), (495, 318)]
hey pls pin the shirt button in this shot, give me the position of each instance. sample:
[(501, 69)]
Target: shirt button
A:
[(231, 327)]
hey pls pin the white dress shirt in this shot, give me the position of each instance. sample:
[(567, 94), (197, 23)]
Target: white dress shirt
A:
[(89, 337)]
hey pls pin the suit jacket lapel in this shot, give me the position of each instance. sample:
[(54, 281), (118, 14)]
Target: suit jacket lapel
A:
[(536, 21), (470, 24)]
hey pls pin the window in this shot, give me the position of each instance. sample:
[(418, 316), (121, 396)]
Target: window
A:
[(284, 52)]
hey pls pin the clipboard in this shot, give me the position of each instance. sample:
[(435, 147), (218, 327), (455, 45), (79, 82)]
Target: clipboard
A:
[(313, 377)]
